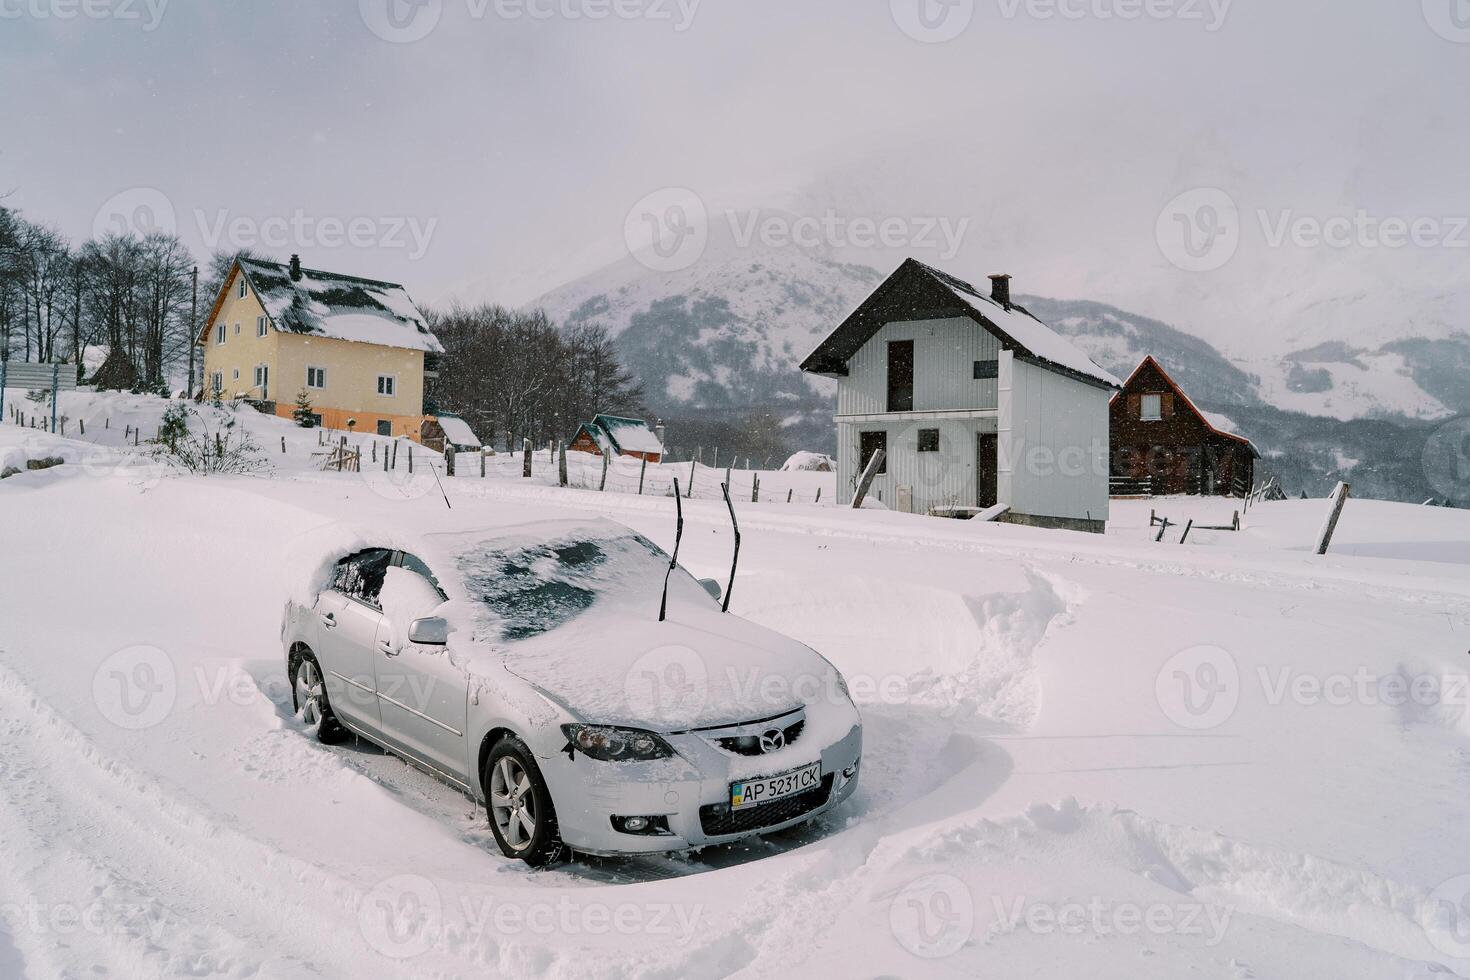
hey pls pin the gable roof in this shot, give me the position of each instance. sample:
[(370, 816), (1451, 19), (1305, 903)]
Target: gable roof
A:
[(329, 304), (1219, 424), (916, 291), (457, 431), (629, 435)]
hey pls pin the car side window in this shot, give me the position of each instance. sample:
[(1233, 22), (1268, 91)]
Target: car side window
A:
[(416, 566), (360, 576)]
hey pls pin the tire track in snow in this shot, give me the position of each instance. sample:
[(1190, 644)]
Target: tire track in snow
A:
[(82, 830)]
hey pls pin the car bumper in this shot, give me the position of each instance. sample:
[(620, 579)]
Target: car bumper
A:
[(691, 792)]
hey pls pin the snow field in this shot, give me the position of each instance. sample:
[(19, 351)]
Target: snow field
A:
[(1084, 755)]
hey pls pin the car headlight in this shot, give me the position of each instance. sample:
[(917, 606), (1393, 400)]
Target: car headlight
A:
[(607, 744)]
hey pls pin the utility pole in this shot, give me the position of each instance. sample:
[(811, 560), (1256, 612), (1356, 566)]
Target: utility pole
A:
[(194, 334)]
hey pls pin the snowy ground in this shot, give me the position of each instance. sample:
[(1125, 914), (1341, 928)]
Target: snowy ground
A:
[(1085, 755)]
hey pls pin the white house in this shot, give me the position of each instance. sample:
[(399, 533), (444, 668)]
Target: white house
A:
[(975, 402)]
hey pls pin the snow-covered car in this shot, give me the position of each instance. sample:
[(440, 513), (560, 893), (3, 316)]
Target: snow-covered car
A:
[(573, 678)]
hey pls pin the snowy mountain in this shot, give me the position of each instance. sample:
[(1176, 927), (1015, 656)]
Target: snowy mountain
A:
[(724, 337)]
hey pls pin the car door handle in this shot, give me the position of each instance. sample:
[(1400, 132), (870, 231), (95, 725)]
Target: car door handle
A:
[(387, 648), (329, 620)]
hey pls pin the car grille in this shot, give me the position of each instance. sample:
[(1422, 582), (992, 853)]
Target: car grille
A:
[(751, 744), (718, 819)]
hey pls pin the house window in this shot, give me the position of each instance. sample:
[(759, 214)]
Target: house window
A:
[(1151, 408), (237, 330), (987, 370), (217, 382), (220, 332), (385, 427), (316, 377), (387, 384), (870, 443), (236, 375), (260, 326), (901, 376), (262, 375), (928, 440), (241, 293)]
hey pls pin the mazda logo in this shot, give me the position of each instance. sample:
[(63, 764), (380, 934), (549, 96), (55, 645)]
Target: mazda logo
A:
[(773, 741)]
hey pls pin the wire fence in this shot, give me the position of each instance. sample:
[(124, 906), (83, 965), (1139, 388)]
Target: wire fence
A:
[(634, 476)]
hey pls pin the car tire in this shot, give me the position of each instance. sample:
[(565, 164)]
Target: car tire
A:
[(526, 806), (310, 702)]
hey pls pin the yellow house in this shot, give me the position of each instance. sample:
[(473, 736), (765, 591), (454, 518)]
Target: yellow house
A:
[(356, 346)]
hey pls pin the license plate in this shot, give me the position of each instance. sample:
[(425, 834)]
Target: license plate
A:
[(753, 792)]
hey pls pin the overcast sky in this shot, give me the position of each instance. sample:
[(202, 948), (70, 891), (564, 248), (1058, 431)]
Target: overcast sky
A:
[(500, 153)]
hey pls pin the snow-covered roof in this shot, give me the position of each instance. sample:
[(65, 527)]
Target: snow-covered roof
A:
[(457, 431), (628, 435), (327, 304), (808, 461), (916, 290)]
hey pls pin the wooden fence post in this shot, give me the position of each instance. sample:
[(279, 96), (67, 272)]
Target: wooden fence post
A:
[(755, 490), (603, 485), (482, 462), (283, 445), (448, 460), (410, 458), (869, 475), (1325, 538), (395, 454), (1187, 528), (819, 495), (526, 458), (641, 471), (789, 493), (561, 463)]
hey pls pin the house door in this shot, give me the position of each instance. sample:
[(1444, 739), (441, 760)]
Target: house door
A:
[(987, 470)]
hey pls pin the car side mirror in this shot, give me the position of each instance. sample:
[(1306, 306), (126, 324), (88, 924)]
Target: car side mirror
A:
[(432, 631), (712, 587)]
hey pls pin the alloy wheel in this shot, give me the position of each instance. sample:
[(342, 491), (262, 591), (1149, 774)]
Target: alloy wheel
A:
[(512, 803)]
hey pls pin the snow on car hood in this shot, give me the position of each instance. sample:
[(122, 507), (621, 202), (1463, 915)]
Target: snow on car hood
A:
[(698, 669)]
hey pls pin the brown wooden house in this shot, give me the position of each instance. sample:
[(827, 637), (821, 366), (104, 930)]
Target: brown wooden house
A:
[(1162, 443), (609, 435)]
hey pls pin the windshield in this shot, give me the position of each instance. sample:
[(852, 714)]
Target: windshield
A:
[(532, 585)]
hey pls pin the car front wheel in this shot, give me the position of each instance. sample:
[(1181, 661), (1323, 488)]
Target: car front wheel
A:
[(309, 698), (521, 815)]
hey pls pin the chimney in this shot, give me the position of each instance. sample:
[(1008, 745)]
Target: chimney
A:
[(1000, 289), (295, 268)]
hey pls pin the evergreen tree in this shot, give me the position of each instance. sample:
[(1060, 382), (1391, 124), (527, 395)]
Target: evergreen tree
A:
[(302, 414)]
